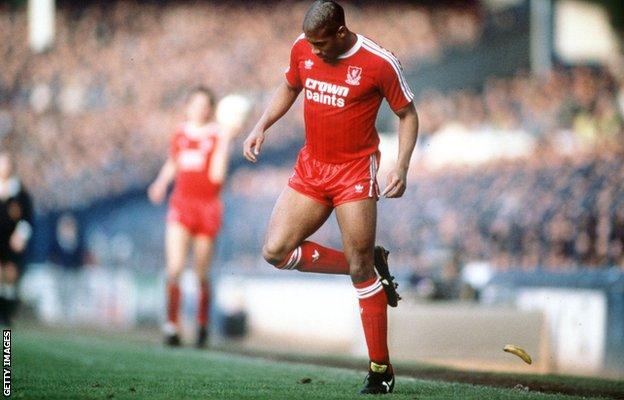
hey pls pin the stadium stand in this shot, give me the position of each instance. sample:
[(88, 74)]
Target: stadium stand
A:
[(552, 213), (82, 116), (87, 127)]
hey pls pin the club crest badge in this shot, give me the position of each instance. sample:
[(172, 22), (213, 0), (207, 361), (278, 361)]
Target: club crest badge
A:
[(354, 74), (308, 64)]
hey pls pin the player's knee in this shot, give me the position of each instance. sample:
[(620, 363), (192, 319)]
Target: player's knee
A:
[(274, 254), (360, 273), (361, 267), (10, 273), (173, 275)]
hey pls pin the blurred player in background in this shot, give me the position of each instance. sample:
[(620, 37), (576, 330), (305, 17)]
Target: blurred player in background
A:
[(344, 77), (15, 232), (197, 161)]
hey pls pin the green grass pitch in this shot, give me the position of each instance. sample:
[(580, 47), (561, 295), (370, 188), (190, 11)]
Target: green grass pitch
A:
[(54, 364)]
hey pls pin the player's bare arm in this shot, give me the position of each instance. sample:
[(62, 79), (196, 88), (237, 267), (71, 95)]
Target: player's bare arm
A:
[(221, 156), (281, 102), (23, 231), (408, 134), (158, 189)]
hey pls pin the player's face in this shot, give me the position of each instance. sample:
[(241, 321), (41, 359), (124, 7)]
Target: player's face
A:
[(6, 167), (199, 109), (327, 46)]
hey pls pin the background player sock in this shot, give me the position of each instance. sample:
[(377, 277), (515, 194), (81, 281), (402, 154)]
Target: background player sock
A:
[(373, 311), (9, 294), (312, 257), (173, 302), (203, 307)]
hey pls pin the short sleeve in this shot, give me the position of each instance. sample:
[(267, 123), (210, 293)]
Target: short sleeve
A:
[(292, 72), (393, 84)]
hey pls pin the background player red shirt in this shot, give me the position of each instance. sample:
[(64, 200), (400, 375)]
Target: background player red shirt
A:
[(197, 162), (192, 149), (341, 99), (195, 201)]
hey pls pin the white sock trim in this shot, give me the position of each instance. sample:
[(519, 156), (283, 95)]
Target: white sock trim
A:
[(371, 290), (294, 259), (169, 328)]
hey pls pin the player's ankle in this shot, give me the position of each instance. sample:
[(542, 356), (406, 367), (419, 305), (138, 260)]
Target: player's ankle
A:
[(380, 367)]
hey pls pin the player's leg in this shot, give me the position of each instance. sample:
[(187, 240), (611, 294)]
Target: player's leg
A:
[(3, 302), (203, 249), (10, 274), (8, 291), (294, 218), (177, 243), (357, 221)]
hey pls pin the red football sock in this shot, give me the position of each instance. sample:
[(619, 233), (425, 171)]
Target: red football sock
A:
[(173, 302), (312, 257), (203, 307), (373, 311)]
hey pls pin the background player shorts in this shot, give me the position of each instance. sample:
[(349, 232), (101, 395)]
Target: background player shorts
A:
[(335, 184), (199, 216), (7, 255)]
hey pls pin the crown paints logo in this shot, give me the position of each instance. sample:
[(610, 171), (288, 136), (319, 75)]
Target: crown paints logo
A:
[(325, 93)]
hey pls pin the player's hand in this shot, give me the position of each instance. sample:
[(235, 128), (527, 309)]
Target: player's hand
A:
[(157, 192), (253, 145), (397, 183), (17, 242)]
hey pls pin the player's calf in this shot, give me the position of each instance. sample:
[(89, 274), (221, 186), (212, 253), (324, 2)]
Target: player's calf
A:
[(310, 257), (170, 328), (361, 268)]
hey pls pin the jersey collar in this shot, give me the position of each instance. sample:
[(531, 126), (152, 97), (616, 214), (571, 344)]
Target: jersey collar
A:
[(354, 49), (199, 132)]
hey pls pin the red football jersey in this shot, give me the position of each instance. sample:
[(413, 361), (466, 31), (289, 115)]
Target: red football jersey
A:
[(342, 99), (192, 149)]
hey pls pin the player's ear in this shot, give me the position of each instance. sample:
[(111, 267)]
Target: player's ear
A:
[(342, 32)]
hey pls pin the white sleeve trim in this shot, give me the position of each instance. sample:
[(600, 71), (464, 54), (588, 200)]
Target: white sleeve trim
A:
[(394, 63)]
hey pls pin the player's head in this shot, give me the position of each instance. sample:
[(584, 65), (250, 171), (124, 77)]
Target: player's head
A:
[(6, 165), (200, 105), (325, 29)]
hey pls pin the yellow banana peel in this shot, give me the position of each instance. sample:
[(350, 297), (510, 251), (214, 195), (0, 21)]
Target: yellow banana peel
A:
[(513, 349)]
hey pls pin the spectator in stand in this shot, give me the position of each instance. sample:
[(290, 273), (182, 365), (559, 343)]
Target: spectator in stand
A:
[(15, 232), (556, 213), (78, 103), (79, 98), (68, 250)]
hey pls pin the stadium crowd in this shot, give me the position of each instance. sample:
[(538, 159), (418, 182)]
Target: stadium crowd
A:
[(92, 115), (565, 109), (542, 212)]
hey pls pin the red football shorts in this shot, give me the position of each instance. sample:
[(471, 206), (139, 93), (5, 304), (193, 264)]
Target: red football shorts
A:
[(199, 216), (335, 184)]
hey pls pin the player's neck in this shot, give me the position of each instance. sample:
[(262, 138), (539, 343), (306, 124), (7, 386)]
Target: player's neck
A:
[(350, 41), (200, 124), (198, 129)]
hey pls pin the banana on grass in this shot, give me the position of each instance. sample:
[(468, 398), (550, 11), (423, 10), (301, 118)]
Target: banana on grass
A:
[(518, 351)]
